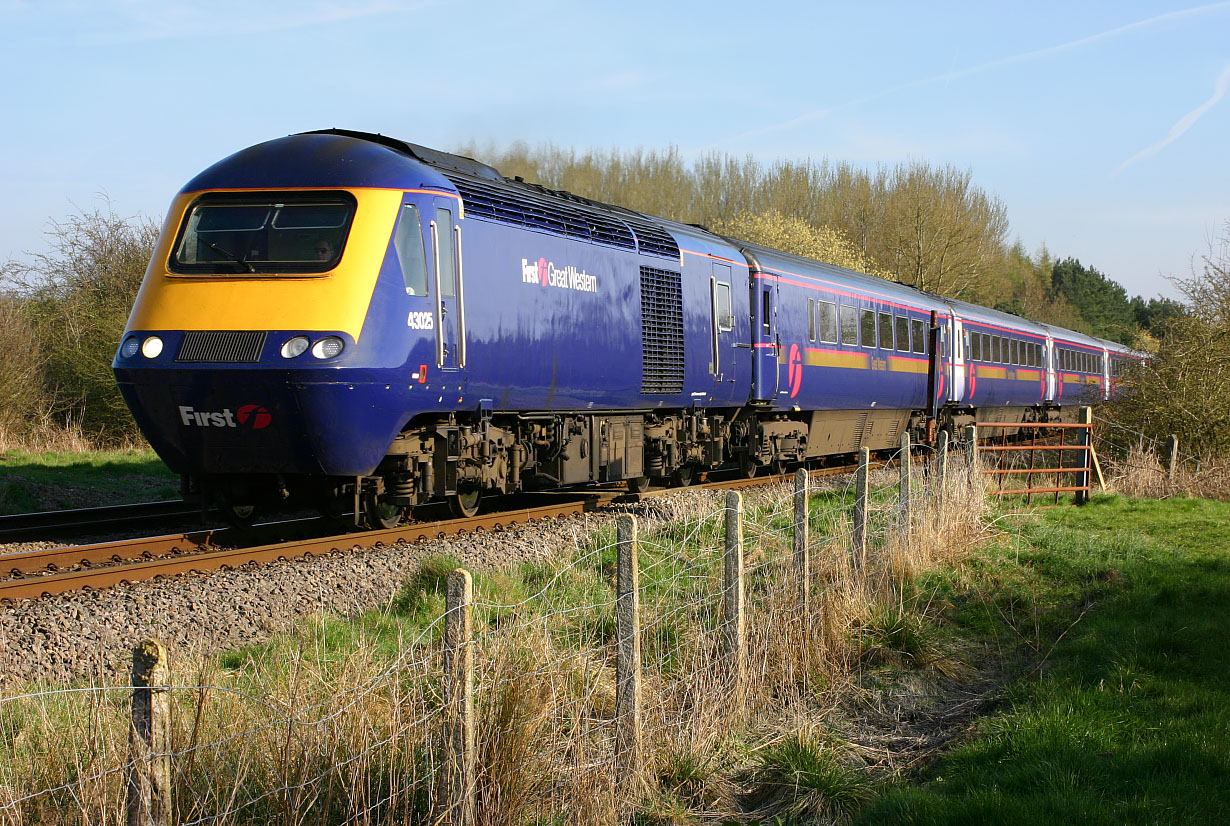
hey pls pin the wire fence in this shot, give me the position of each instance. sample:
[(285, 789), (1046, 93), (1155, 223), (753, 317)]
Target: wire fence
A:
[(364, 723)]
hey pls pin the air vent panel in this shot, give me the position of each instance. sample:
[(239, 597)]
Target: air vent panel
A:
[(661, 332), (221, 347)]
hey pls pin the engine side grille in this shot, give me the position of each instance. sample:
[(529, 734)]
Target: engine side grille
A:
[(222, 346), (661, 331)]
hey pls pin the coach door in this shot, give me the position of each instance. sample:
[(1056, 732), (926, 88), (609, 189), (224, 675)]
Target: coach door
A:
[(1049, 360), (956, 372), (445, 234), (1105, 373)]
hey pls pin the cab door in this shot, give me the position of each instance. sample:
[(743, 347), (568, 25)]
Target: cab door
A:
[(723, 356), (766, 341), (444, 237)]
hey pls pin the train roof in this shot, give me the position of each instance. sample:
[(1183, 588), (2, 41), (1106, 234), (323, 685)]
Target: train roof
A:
[(787, 263)]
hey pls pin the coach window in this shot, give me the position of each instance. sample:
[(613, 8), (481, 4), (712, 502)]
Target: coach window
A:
[(828, 321), (903, 334), (409, 245), (1016, 351), (849, 326), (726, 318), (886, 331), (918, 332), (811, 319), (867, 326), (765, 310)]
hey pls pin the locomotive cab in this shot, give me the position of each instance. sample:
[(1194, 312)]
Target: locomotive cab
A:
[(256, 357)]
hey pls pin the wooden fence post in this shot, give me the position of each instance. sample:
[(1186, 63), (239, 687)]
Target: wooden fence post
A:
[(149, 741), (905, 495), (1172, 453), (802, 553), (942, 459), (460, 769), (858, 551), (971, 449), (734, 638), (628, 659), (1084, 479)]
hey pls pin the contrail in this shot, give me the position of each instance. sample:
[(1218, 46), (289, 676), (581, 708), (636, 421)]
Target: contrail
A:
[(1186, 122), (972, 70)]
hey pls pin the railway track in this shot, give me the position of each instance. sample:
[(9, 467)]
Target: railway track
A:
[(47, 572), (66, 522)]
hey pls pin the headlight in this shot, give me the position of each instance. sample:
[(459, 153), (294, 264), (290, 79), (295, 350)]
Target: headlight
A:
[(296, 346), (131, 345), (151, 348), (328, 347)]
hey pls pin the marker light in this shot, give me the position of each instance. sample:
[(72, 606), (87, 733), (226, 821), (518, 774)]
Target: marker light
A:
[(131, 345), (296, 346), (151, 348), (328, 347)]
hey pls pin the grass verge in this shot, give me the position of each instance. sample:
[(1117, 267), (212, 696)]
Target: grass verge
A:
[(1125, 716), (56, 480)]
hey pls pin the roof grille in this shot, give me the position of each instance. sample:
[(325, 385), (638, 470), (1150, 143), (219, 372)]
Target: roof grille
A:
[(485, 201), (222, 346), (661, 332), (653, 240), (563, 214)]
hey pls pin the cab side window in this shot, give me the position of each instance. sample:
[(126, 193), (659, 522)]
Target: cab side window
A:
[(408, 242)]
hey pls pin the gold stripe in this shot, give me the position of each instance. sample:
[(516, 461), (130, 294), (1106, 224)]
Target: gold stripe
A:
[(904, 365), (829, 358)]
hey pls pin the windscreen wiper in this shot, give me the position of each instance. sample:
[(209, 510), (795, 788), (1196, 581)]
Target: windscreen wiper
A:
[(226, 253)]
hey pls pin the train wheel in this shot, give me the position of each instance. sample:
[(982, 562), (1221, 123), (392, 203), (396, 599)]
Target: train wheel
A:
[(236, 515), (465, 503), (379, 514), (682, 477), (747, 466), (638, 485)]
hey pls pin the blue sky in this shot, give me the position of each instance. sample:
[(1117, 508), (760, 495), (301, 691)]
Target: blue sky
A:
[(1102, 126)]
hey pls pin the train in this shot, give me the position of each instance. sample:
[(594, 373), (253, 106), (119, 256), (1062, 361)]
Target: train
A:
[(347, 321)]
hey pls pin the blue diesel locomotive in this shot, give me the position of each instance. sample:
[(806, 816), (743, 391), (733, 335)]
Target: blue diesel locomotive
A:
[(348, 320)]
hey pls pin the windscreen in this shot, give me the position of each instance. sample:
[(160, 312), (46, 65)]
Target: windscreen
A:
[(266, 232)]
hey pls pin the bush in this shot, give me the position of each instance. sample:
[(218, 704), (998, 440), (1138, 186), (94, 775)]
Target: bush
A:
[(21, 365), (77, 297), (1185, 388)]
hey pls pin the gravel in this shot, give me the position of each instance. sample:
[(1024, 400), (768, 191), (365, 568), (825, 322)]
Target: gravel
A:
[(90, 635)]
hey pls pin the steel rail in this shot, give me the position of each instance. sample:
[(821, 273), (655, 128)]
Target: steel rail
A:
[(21, 525), (35, 587)]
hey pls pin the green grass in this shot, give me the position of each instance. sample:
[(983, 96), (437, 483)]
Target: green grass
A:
[(63, 480), (1126, 716)]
